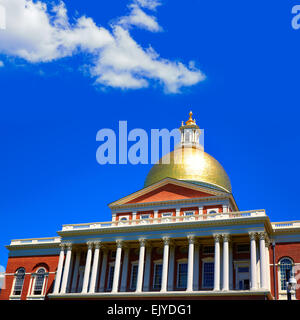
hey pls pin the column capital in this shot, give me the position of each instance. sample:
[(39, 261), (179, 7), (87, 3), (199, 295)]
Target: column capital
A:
[(142, 242), (119, 243), (90, 244), (191, 238), (68, 245), (252, 235), (226, 237), (97, 244), (262, 235), (62, 246), (217, 237), (166, 240)]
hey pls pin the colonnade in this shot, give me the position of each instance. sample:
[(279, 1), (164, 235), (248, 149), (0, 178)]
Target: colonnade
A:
[(119, 281)]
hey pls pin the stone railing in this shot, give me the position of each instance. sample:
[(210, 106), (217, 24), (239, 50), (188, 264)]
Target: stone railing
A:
[(169, 219), (35, 241), (286, 224)]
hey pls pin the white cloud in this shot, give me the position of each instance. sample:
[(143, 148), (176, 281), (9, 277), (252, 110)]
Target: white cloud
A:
[(38, 34), (149, 4), (139, 18), (1, 64)]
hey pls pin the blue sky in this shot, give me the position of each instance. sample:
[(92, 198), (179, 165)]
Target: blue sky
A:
[(53, 105)]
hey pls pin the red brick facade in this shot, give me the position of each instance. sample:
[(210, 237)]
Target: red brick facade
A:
[(31, 264)]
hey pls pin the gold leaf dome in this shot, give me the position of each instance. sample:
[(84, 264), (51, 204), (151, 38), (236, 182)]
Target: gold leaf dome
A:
[(190, 164)]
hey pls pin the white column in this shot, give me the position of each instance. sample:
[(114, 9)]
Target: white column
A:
[(190, 276), (171, 268), (177, 214), (87, 269), (200, 212), (268, 265), (164, 277), (115, 285), (103, 270), (59, 269), (147, 268), (155, 216), (196, 267), (66, 269), (253, 260), (225, 262), (230, 267), (263, 264), (134, 217), (75, 274), (225, 208), (95, 267), (125, 270), (140, 275), (217, 263)]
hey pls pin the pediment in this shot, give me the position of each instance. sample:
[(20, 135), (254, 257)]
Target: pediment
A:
[(167, 190)]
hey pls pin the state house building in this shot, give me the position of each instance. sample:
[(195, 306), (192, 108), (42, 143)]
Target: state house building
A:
[(180, 237)]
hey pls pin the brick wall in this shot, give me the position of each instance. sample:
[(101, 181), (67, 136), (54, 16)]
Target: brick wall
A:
[(31, 264)]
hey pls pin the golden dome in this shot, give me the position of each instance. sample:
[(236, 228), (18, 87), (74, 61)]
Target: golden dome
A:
[(190, 164)]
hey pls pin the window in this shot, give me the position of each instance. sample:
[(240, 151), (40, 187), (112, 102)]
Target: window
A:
[(208, 275), (212, 211), (187, 136), (19, 280), (284, 265), (244, 284), (182, 275), (208, 249), (110, 277), (123, 220), (39, 281), (143, 217), (113, 254), (166, 215), (133, 278), (243, 269), (189, 215), (243, 248), (157, 276)]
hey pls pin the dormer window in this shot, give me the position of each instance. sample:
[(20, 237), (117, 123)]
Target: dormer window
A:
[(144, 218), (165, 215), (123, 220), (189, 215)]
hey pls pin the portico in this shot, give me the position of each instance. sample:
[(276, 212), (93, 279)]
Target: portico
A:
[(176, 261)]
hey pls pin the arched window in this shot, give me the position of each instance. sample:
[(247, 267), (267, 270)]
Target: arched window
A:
[(284, 264), (39, 281), (19, 281)]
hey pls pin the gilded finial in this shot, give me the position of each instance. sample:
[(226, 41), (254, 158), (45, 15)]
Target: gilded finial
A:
[(191, 121)]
